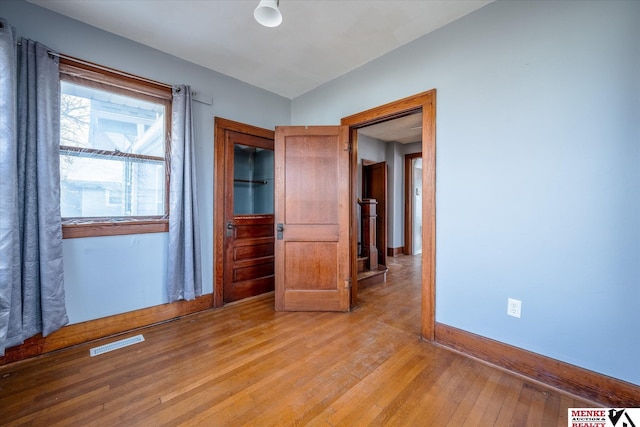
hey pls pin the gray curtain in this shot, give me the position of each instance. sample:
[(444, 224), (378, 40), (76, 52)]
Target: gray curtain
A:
[(184, 274), (32, 296)]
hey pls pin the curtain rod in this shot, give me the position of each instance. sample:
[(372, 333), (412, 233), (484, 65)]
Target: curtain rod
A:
[(206, 101), (111, 70), (103, 68)]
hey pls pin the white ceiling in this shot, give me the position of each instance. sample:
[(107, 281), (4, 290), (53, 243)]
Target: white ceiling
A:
[(317, 41), (405, 130)]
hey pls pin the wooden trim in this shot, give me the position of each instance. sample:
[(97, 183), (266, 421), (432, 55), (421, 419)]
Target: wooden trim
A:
[(429, 216), (391, 110), (227, 124), (101, 77), (353, 206), (408, 203), (395, 251), (425, 102), (596, 387), (218, 211), (98, 229), (80, 333), (221, 127)]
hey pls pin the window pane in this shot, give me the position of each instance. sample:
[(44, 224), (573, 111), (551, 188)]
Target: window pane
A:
[(99, 187), (101, 120)]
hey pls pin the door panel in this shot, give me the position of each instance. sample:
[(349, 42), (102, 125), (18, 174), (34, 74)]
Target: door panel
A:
[(303, 168), (303, 274), (253, 227), (254, 251), (312, 204), (251, 272), (249, 237)]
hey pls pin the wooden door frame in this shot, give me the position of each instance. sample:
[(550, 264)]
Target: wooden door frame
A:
[(408, 202), (220, 127), (425, 102)]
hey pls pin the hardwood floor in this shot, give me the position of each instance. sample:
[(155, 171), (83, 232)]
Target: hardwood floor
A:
[(246, 364)]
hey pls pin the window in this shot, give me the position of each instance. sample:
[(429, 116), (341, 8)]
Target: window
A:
[(114, 172)]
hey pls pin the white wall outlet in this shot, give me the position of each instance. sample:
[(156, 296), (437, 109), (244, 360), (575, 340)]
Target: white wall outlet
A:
[(514, 307)]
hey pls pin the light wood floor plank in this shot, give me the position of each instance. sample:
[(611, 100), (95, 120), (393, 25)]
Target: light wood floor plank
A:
[(471, 397), (246, 364), (475, 413)]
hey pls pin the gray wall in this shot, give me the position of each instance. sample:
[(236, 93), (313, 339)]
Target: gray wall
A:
[(538, 176), (110, 275)]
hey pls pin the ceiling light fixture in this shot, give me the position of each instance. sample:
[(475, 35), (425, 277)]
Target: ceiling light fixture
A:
[(267, 13)]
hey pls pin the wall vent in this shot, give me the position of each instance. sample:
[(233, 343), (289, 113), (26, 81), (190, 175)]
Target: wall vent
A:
[(115, 345)]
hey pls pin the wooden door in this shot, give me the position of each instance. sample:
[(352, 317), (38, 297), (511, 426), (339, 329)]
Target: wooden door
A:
[(374, 186), (312, 215), (249, 216)]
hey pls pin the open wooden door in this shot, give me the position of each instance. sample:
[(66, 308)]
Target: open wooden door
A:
[(312, 215)]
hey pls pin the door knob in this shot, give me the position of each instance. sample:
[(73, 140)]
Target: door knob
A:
[(279, 229), (229, 229)]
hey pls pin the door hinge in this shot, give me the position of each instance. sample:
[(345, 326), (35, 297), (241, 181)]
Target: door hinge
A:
[(348, 146), (347, 283)]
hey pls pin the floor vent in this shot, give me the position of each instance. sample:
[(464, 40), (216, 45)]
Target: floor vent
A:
[(115, 345)]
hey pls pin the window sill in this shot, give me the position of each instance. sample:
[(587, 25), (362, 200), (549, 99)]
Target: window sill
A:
[(98, 229)]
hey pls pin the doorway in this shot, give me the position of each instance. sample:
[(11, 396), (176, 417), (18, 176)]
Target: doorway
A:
[(244, 211), (413, 204), (424, 104), (416, 206), (374, 186)]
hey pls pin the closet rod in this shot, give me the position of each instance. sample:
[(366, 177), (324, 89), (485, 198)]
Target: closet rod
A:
[(251, 181)]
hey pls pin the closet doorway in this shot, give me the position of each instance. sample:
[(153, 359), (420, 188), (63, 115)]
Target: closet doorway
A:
[(244, 211)]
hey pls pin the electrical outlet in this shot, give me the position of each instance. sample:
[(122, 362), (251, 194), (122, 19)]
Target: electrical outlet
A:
[(514, 307)]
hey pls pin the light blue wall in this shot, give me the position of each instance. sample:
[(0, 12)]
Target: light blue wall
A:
[(538, 171), (131, 281), (395, 159), (396, 231), (110, 275)]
